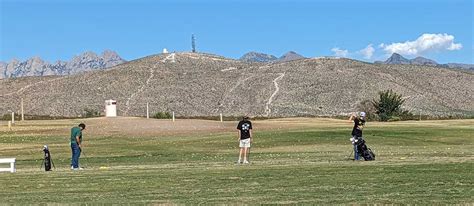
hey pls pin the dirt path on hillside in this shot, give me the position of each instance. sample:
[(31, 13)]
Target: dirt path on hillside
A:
[(269, 102)]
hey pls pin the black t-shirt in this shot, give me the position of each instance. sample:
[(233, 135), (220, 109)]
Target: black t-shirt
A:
[(356, 131), (244, 126)]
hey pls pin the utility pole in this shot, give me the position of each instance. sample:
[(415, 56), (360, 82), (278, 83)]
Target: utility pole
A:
[(193, 43), (22, 111), (147, 111)]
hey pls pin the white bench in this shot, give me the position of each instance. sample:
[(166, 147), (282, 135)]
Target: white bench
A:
[(12, 164)]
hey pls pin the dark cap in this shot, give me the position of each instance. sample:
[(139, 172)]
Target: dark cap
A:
[(82, 125)]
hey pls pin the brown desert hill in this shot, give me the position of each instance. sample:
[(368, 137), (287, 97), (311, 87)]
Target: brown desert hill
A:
[(197, 84)]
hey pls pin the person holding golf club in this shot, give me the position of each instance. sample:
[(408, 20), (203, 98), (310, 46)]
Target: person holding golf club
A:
[(76, 145), (359, 122), (245, 138)]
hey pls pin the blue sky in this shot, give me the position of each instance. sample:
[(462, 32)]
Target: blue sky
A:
[(365, 29)]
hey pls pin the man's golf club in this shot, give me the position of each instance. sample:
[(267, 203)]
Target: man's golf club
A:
[(350, 155), (84, 156)]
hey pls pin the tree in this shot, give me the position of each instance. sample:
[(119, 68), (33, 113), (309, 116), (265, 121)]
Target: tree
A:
[(162, 115), (388, 106)]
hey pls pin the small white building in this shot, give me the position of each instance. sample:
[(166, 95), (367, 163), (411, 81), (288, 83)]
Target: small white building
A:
[(165, 51), (110, 108)]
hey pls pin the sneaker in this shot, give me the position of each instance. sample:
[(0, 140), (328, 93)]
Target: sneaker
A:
[(72, 167), (79, 168), (246, 162), (239, 161)]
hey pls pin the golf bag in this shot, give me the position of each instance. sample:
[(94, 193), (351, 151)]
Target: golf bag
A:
[(364, 151), (47, 161)]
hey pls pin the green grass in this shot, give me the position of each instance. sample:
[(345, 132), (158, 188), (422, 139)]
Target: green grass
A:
[(417, 163)]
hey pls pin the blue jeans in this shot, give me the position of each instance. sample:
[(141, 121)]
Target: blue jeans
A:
[(356, 151), (76, 153)]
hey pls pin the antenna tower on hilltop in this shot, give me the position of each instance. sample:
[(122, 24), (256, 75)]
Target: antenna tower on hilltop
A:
[(193, 43)]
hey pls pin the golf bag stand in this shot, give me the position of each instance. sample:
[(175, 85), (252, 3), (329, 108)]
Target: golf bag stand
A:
[(47, 160)]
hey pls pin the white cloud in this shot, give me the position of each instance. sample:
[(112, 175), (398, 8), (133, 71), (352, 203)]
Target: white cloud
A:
[(367, 52), (424, 44), (339, 52)]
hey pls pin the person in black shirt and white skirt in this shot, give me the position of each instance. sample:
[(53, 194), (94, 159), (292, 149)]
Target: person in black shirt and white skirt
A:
[(245, 138)]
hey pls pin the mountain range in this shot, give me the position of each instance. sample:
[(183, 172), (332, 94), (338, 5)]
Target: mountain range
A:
[(90, 61), (197, 84), (35, 66), (261, 57), (399, 59)]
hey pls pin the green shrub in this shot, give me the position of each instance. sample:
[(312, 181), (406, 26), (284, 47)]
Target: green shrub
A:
[(88, 112), (8, 116), (406, 115), (388, 107), (162, 115)]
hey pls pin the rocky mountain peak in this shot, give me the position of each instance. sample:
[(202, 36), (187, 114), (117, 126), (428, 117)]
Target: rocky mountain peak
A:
[(290, 56), (257, 57), (35, 66), (397, 59), (14, 61), (424, 61), (36, 59), (111, 58), (85, 57), (262, 57), (109, 54)]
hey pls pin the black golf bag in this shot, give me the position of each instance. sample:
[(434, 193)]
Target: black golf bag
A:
[(47, 161), (364, 151)]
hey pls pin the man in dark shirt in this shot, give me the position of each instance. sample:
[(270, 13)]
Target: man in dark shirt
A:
[(76, 143), (245, 138), (359, 122)]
